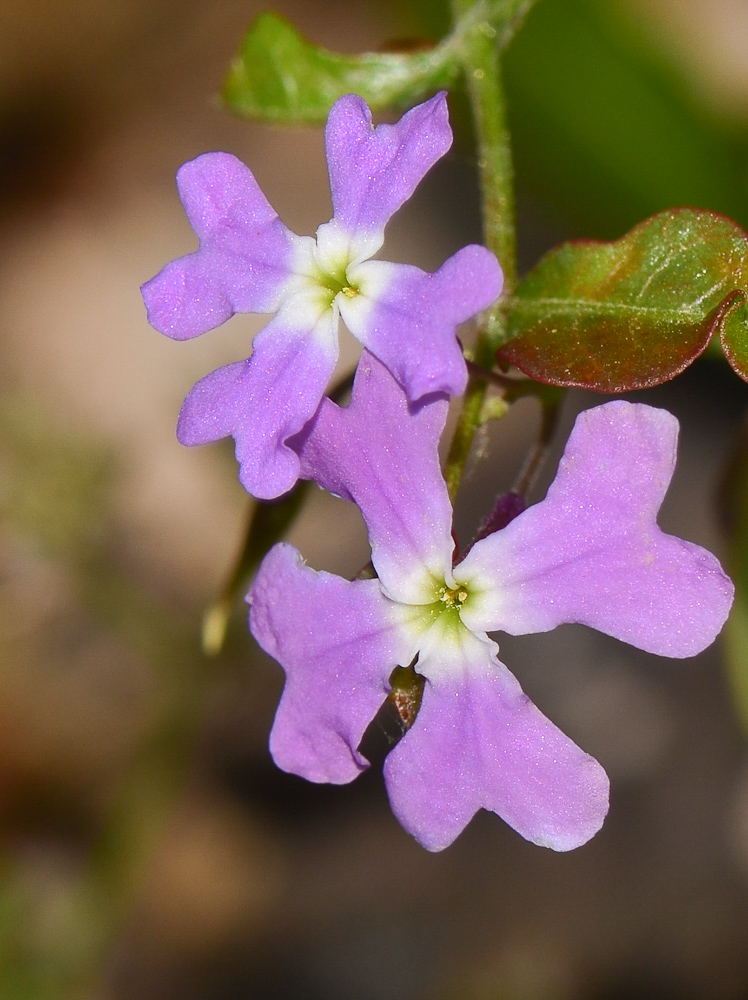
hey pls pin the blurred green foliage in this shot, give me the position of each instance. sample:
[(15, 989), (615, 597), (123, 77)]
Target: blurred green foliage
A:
[(53, 487), (604, 127), (605, 131), (65, 654)]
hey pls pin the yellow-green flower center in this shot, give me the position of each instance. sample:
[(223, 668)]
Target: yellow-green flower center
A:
[(447, 607), (336, 283), (453, 598)]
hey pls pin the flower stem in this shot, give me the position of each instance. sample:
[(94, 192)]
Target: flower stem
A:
[(480, 56)]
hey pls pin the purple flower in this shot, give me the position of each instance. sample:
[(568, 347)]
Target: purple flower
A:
[(591, 552), (248, 261)]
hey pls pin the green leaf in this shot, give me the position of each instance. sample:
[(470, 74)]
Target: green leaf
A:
[(734, 336), (280, 77), (633, 313)]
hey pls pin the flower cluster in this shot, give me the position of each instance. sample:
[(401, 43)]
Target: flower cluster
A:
[(591, 552), (248, 261)]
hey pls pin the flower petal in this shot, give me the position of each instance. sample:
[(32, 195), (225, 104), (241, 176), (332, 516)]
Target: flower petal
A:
[(268, 398), (479, 742), (409, 318), (373, 171), (338, 643), (381, 453), (246, 254), (592, 551)]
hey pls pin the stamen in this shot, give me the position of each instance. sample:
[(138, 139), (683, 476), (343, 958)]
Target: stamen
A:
[(453, 597)]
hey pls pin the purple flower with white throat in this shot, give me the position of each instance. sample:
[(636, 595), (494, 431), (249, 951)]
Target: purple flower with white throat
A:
[(248, 261), (591, 552)]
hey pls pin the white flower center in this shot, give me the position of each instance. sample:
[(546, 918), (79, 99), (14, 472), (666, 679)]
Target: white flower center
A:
[(445, 614), (332, 258), (446, 646)]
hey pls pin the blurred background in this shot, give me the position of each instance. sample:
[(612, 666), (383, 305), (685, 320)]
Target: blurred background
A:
[(148, 847)]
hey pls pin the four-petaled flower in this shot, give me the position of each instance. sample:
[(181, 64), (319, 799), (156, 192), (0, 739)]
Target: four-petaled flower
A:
[(591, 552), (248, 261)]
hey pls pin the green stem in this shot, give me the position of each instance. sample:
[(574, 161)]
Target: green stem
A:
[(479, 54), (480, 57)]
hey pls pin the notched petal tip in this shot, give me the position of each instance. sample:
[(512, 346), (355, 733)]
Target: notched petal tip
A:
[(477, 743), (350, 106), (217, 189), (210, 409), (572, 831), (337, 643), (354, 106), (182, 301), (374, 170), (222, 405), (592, 552), (329, 762), (469, 281)]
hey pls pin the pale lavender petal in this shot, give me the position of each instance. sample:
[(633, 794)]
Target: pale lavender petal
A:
[(592, 551), (373, 171), (381, 452), (479, 742), (409, 318), (246, 254), (338, 643), (266, 399)]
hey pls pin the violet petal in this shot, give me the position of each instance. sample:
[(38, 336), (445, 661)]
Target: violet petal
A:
[(373, 171), (381, 452), (592, 551), (266, 399), (338, 643), (246, 255), (408, 318), (479, 742)]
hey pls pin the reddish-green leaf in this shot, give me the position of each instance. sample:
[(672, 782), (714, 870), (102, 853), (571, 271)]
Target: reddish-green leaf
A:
[(633, 313), (734, 335)]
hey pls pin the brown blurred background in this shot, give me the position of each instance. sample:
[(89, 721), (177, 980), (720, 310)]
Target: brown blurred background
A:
[(148, 847)]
